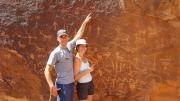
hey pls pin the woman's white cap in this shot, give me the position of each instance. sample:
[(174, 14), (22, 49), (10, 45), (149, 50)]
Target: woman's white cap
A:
[(81, 42)]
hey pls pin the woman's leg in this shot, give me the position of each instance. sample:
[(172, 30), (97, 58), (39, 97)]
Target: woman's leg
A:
[(82, 100), (90, 91), (90, 98)]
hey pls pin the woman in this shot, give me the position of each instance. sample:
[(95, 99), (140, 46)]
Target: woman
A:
[(82, 72)]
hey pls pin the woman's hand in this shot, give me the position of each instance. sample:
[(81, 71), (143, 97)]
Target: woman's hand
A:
[(53, 91), (92, 68)]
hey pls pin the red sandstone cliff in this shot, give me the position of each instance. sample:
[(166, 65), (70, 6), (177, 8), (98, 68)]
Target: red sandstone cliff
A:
[(135, 44)]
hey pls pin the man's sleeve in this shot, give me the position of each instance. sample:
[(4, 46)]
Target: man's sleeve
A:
[(52, 59), (71, 44)]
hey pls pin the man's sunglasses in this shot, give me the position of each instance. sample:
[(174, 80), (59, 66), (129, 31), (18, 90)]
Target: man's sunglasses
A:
[(63, 36)]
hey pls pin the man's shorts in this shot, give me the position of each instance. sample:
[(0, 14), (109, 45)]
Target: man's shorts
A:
[(67, 92), (85, 89)]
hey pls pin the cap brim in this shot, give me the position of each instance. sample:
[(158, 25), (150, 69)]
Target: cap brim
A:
[(81, 44)]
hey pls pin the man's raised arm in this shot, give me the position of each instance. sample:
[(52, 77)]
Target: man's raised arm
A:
[(82, 28)]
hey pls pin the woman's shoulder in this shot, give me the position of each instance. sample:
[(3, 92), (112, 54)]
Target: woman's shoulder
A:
[(77, 59)]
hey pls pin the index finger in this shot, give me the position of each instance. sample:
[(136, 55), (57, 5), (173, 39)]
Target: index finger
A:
[(89, 14)]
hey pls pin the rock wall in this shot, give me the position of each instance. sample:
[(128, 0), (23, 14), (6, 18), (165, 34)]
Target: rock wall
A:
[(134, 44)]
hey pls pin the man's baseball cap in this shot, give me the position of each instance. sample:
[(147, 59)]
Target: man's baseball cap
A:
[(62, 32), (81, 42)]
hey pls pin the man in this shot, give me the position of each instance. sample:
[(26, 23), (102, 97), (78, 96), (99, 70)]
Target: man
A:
[(61, 59)]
